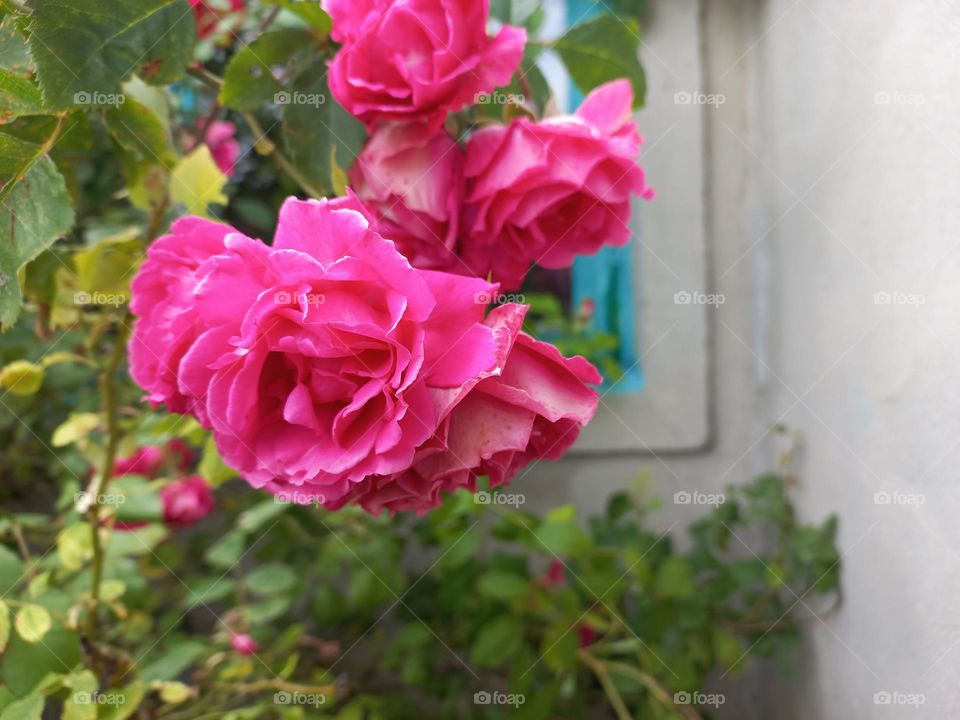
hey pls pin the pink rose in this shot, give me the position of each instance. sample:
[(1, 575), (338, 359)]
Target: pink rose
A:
[(544, 192), (162, 296), (243, 644), (149, 460), (209, 13), (186, 501), (417, 59), (532, 404), (411, 178), (314, 361)]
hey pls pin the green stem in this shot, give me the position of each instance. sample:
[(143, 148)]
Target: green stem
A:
[(267, 147), (600, 670), (654, 686), (108, 395)]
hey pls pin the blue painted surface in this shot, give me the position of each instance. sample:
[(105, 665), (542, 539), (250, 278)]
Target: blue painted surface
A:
[(607, 277)]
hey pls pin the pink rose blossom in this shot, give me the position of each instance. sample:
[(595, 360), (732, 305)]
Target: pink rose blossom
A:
[(544, 192), (411, 178), (243, 644), (186, 501), (531, 405), (224, 148), (417, 59), (314, 361), (149, 460)]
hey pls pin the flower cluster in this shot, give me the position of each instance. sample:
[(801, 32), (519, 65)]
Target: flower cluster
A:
[(328, 367), (531, 192)]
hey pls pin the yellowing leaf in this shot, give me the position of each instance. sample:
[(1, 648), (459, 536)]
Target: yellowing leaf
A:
[(197, 182), (75, 546), (33, 622), (21, 377), (74, 428), (4, 625)]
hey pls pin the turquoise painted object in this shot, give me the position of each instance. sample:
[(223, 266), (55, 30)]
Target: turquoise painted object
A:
[(607, 277)]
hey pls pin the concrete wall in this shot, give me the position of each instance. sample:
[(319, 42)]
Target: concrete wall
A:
[(833, 200)]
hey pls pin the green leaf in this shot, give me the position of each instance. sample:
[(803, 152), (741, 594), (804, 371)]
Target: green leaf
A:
[(728, 650), (212, 468), (271, 579), (128, 700), (14, 51), (173, 662), (28, 708), (85, 49), (249, 80), (75, 546), (227, 550), (24, 664), (497, 642), (36, 211), (139, 502), (562, 538), (4, 626), (32, 622), (21, 377), (502, 585), (76, 427), (308, 11), (259, 515), (138, 129), (313, 123), (604, 49), (197, 182), (674, 578), (104, 271), (18, 96), (11, 569), (559, 646), (80, 704)]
